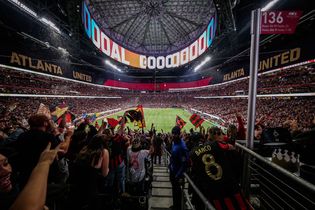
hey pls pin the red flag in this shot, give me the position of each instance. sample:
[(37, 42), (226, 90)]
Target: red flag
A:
[(67, 118), (196, 120), (141, 123), (180, 122), (112, 122)]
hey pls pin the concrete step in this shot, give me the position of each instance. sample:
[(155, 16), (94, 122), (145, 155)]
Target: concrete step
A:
[(161, 192), (165, 184), (161, 189), (161, 179), (161, 185), (160, 170), (165, 174), (163, 164), (160, 202), (159, 167)]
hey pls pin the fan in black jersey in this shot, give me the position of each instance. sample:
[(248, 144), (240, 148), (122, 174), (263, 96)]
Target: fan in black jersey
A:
[(215, 171)]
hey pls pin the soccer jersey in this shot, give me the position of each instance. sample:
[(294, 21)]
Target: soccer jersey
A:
[(117, 151), (137, 164), (215, 170)]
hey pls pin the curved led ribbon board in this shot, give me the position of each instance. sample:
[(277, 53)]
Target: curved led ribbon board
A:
[(127, 57)]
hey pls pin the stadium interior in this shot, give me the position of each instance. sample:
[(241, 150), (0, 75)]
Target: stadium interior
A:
[(156, 104)]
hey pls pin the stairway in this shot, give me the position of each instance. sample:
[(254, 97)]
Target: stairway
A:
[(161, 194), (161, 198)]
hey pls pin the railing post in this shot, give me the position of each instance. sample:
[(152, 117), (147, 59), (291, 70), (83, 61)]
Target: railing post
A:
[(277, 187), (183, 198), (245, 181), (252, 88), (254, 60)]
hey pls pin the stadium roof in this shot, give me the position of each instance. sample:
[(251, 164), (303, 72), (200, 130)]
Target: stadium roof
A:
[(153, 26), (232, 33)]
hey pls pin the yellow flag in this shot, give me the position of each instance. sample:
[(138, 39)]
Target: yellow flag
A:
[(59, 112)]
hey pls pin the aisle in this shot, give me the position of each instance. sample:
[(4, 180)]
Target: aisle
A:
[(161, 198)]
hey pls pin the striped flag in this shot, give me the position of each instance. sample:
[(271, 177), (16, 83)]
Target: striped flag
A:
[(180, 122), (141, 124), (136, 116), (59, 111), (196, 120)]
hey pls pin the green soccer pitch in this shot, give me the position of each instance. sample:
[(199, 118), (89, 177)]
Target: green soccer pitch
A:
[(163, 118)]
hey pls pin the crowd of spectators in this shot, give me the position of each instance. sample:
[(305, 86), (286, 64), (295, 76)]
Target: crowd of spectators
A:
[(292, 80), (15, 111), (275, 111), (12, 81), (89, 172)]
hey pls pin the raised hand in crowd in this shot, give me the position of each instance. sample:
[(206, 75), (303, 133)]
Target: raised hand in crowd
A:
[(33, 195), (102, 128), (48, 156), (64, 146)]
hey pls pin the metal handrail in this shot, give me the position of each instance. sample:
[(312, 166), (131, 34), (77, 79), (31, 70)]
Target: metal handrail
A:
[(188, 200), (303, 182), (205, 201), (281, 171)]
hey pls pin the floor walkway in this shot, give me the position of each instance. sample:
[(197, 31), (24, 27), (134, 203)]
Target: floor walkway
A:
[(161, 198)]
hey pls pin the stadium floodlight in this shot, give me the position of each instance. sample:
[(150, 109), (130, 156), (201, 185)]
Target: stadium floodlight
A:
[(112, 65), (23, 7), (49, 23), (208, 58), (269, 5), (31, 12)]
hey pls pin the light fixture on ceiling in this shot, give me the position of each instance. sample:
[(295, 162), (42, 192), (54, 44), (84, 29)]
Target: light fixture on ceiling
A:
[(31, 12), (208, 58), (49, 23), (269, 5), (23, 7), (112, 65)]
